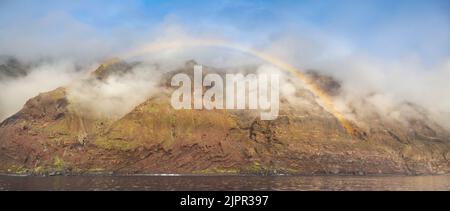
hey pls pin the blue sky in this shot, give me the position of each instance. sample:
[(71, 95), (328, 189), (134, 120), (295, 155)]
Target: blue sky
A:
[(398, 47), (383, 27)]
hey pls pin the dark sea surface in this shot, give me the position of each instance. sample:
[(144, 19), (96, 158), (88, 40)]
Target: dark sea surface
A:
[(190, 183)]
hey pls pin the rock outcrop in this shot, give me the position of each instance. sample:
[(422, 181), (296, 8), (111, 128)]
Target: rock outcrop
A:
[(50, 135)]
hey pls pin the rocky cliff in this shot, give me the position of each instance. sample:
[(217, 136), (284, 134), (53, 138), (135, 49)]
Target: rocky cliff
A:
[(50, 135)]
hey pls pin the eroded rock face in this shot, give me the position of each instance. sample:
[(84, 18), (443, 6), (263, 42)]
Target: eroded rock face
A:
[(48, 134)]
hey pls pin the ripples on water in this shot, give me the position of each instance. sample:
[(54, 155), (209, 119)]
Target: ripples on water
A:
[(190, 183)]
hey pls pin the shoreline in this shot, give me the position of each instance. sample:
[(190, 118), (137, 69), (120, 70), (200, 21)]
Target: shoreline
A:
[(111, 174)]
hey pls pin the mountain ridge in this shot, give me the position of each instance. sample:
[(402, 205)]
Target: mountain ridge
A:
[(50, 135)]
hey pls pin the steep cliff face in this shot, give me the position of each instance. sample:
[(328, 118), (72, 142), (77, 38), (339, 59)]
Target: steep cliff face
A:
[(50, 134)]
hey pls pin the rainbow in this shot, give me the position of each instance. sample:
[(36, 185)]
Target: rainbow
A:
[(326, 101)]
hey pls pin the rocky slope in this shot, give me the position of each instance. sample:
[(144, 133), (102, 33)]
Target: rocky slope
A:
[(50, 135)]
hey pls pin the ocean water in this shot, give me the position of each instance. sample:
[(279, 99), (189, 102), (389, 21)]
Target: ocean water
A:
[(247, 183)]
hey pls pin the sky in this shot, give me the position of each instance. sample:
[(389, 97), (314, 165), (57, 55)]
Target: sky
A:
[(398, 49), (387, 29)]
